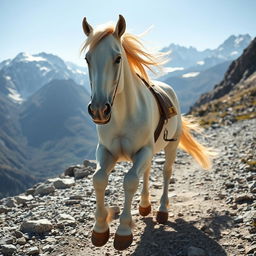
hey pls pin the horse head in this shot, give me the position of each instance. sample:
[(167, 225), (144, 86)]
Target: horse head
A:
[(104, 58)]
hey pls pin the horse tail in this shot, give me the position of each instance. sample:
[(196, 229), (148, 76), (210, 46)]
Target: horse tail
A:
[(188, 143)]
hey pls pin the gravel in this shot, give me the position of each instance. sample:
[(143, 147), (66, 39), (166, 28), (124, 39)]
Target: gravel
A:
[(211, 212)]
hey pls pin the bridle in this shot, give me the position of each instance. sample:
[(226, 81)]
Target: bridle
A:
[(113, 97), (118, 81)]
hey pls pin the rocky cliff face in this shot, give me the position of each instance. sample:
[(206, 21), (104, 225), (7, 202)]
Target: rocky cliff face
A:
[(234, 98), (239, 70)]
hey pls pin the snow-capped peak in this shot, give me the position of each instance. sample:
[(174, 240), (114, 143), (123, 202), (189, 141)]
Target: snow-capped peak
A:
[(26, 57)]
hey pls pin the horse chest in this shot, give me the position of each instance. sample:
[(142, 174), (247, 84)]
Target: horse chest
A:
[(124, 144)]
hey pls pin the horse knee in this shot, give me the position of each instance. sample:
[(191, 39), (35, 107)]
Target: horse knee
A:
[(131, 182), (100, 180)]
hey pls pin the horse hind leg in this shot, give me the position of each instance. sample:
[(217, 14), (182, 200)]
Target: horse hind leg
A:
[(170, 154), (145, 205)]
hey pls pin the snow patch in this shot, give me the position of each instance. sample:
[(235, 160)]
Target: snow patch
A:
[(191, 74), (14, 95), (200, 62), (171, 69), (80, 72), (239, 40), (8, 78), (44, 69), (234, 53), (31, 58), (76, 71)]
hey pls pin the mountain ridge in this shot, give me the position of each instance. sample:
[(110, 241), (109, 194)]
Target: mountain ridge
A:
[(233, 99)]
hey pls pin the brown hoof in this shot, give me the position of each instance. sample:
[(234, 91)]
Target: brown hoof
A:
[(144, 211), (162, 217), (122, 242), (99, 239)]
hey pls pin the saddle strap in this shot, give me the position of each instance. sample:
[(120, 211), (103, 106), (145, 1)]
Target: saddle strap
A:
[(165, 106)]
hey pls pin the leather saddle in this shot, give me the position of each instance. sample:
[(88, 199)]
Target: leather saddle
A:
[(165, 105)]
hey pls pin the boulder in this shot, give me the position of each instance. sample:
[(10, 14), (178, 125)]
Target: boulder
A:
[(44, 189), (80, 173), (22, 199), (36, 226), (33, 250), (64, 183), (90, 163), (8, 249)]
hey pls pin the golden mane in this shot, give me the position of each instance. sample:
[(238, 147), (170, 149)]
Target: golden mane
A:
[(138, 56)]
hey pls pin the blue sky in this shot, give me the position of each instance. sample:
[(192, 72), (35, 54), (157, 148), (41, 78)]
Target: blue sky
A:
[(54, 26)]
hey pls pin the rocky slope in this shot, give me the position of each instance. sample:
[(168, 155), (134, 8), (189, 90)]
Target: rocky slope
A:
[(234, 98), (211, 212), (239, 70)]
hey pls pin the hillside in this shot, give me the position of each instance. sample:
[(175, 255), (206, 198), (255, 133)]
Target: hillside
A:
[(233, 98), (44, 134), (57, 128)]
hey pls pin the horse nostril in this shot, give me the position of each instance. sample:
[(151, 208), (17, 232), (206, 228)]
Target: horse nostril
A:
[(90, 110), (107, 109)]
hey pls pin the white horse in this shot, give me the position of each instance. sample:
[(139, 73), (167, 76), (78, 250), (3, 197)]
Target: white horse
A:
[(127, 114)]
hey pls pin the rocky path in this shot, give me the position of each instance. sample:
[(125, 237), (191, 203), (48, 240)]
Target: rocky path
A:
[(212, 213)]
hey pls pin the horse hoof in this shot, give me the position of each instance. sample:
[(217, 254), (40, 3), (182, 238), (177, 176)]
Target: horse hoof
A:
[(122, 242), (162, 217), (99, 239), (144, 211)]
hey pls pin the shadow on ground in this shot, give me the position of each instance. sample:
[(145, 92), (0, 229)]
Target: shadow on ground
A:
[(157, 240)]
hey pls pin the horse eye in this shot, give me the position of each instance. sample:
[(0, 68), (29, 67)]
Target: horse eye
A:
[(118, 60)]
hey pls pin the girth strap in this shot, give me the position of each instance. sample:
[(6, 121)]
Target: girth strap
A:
[(165, 106)]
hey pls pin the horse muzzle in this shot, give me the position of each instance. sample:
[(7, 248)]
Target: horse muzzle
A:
[(100, 115)]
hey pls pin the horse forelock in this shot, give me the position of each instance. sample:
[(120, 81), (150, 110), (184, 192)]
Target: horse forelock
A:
[(139, 58)]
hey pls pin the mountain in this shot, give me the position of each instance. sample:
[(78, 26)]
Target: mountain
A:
[(14, 181), (44, 125), (233, 98), (28, 73), (191, 85), (57, 128), (55, 121), (192, 72), (182, 57), (48, 132)]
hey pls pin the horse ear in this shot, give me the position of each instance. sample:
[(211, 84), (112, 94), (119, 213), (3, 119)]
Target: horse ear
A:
[(87, 27), (120, 27)]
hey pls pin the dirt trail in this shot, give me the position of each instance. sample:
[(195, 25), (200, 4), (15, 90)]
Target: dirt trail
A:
[(199, 217), (212, 213)]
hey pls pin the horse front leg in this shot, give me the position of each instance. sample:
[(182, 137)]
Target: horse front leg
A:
[(141, 162), (105, 163)]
